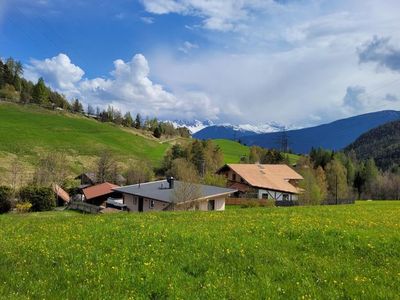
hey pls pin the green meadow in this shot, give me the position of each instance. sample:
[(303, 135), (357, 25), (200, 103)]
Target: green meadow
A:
[(320, 252), (30, 130), (234, 151)]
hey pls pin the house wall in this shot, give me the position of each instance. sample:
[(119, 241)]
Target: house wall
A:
[(279, 196), (132, 202), (229, 174)]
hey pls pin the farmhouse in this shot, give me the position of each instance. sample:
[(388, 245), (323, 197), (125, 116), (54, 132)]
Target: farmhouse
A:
[(163, 195), (278, 182), (98, 194)]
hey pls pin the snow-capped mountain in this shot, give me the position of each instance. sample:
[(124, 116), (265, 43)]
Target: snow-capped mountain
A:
[(196, 126)]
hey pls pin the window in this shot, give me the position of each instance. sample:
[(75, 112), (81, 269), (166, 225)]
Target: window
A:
[(264, 196), (285, 197), (241, 180), (134, 201), (152, 202), (234, 177)]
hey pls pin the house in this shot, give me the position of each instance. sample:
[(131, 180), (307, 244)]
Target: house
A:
[(99, 193), (87, 179), (90, 178), (278, 182), (162, 195), (62, 196)]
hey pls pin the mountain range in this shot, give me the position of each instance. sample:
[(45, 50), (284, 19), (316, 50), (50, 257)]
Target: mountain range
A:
[(335, 135)]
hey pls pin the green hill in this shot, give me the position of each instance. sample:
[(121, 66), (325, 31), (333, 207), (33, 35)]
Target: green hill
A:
[(381, 143), (234, 151), (29, 131), (320, 252)]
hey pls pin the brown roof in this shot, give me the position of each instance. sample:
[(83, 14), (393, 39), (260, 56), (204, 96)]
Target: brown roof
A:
[(274, 177), (60, 193), (99, 190)]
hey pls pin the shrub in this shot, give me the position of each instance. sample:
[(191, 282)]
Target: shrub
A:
[(23, 207), (41, 198), (5, 199)]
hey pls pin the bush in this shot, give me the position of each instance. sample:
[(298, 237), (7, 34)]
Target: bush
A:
[(5, 199), (41, 198), (23, 207)]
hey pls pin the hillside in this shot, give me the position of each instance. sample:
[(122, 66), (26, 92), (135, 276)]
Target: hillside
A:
[(29, 131), (381, 143), (335, 135), (321, 252), (234, 151)]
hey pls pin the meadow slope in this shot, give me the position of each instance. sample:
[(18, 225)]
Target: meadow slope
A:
[(324, 252)]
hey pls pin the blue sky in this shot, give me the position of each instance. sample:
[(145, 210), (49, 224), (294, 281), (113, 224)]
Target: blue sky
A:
[(254, 61)]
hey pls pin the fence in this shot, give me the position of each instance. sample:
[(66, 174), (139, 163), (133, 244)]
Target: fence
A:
[(84, 207)]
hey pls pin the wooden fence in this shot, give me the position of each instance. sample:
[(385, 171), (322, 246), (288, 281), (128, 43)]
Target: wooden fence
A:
[(84, 207)]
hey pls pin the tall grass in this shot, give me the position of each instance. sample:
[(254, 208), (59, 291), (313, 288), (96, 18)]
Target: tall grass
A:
[(337, 252)]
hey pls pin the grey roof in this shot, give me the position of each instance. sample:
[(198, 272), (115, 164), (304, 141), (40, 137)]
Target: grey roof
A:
[(158, 190)]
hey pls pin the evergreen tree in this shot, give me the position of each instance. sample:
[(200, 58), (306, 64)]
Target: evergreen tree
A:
[(77, 107), (138, 121), (40, 93), (128, 121)]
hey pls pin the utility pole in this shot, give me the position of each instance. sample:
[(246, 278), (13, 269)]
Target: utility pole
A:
[(336, 190)]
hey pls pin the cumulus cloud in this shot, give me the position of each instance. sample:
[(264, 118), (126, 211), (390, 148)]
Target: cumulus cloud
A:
[(128, 88), (59, 72), (379, 50)]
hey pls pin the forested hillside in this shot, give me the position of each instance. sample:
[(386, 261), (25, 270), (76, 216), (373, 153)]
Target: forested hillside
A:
[(381, 143)]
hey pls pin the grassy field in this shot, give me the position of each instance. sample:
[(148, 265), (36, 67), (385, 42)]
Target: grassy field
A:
[(326, 252), (31, 130), (233, 151)]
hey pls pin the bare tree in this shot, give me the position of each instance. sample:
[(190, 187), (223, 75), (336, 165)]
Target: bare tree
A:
[(51, 168), (185, 194), (139, 171), (107, 167), (15, 173)]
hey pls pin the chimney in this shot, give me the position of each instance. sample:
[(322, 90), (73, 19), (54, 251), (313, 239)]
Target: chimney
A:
[(171, 182)]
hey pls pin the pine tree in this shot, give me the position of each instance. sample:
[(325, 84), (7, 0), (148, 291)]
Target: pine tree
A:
[(40, 93), (128, 121), (138, 121)]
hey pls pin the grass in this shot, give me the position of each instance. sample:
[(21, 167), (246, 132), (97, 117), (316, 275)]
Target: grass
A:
[(31, 130), (326, 252), (234, 151)]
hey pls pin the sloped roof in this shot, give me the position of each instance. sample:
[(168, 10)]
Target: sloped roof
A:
[(60, 192), (274, 177), (99, 190), (158, 190)]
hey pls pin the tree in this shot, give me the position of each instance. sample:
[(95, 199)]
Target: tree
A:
[(311, 191), (77, 107), (5, 199), (90, 110), (107, 167), (41, 198), (336, 176), (40, 93), (51, 168), (215, 179), (157, 132), (184, 170), (138, 121), (128, 121), (138, 172)]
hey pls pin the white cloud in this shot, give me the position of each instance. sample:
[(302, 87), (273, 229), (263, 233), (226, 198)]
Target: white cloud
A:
[(58, 71), (187, 47), (223, 15), (128, 88), (147, 20)]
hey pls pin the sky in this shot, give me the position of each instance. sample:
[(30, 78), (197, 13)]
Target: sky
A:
[(299, 62)]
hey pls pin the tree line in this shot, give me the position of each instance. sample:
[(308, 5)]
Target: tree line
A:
[(15, 88), (331, 176)]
